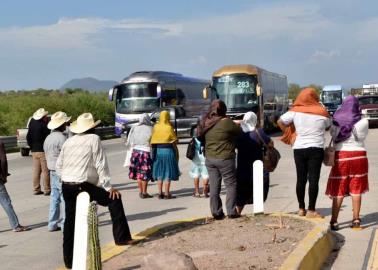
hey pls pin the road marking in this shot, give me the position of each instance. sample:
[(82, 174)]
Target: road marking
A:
[(373, 256)]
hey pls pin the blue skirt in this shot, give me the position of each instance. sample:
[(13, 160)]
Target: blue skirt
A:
[(165, 167)]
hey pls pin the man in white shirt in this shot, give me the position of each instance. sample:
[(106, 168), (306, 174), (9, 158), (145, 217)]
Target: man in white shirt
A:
[(82, 165)]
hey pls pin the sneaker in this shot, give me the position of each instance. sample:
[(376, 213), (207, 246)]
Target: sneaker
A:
[(20, 228), (313, 214), (38, 192), (56, 229)]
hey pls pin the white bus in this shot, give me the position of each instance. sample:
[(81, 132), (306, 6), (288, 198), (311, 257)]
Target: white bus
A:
[(250, 88), (154, 91), (331, 97)]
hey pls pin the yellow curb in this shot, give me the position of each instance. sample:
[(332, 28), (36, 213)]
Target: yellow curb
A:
[(310, 253), (313, 250), (373, 257), (111, 250)]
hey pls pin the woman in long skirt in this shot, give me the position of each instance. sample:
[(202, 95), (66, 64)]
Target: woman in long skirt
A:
[(165, 157)]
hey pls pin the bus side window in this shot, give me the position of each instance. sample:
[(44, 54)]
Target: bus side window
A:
[(180, 96), (169, 97)]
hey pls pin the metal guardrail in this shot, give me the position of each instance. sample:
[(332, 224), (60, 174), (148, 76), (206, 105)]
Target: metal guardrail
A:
[(11, 141)]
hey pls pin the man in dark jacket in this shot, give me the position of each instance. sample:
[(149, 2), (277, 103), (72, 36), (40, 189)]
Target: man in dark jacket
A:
[(5, 201), (36, 136)]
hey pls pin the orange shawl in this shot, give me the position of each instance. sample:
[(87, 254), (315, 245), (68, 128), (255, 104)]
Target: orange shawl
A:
[(306, 102)]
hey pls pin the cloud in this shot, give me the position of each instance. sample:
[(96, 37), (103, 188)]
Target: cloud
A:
[(324, 55), (199, 60), (268, 22), (77, 33)]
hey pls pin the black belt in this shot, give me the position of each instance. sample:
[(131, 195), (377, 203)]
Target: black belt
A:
[(73, 183)]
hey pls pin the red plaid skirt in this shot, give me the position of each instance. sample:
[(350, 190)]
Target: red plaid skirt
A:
[(349, 175)]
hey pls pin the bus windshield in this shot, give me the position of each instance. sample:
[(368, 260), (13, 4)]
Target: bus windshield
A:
[(238, 91), (334, 97), (137, 98)]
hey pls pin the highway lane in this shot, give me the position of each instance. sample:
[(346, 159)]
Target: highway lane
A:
[(40, 249)]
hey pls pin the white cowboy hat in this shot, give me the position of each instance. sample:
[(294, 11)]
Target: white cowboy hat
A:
[(40, 113), (83, 123), (58, 119)]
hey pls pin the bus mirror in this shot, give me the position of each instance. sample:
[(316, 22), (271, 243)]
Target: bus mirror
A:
[(258, 90), (205, 92), (110, 94), (158, 90)]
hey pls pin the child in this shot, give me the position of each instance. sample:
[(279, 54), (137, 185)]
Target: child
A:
[(198, 170)]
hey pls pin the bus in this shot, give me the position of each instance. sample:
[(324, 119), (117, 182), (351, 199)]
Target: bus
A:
[(250, 88), (153, 91), (332, 97)]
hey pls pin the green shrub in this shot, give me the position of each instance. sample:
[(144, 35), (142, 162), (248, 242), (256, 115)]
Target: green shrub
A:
[(17, 107)]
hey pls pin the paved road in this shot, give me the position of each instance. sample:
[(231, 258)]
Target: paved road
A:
[(40, 249)]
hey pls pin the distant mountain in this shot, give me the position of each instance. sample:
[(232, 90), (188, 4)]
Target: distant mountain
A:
[(90, 84)]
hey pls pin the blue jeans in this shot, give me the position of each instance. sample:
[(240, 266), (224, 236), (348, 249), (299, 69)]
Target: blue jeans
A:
[(6, 203), (56, 200)]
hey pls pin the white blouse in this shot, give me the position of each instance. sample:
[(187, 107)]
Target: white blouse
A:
[(356, 141)]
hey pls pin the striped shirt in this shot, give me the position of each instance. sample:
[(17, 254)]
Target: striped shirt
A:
[(82, 159)]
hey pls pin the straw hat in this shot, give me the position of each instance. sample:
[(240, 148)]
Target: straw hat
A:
[(39, 114), (83, 123), (58, 119)]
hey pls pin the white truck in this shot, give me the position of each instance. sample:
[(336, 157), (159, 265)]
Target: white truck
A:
[(21, 140)]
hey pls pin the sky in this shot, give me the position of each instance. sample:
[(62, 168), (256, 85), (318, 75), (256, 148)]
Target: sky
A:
[(45, 43)]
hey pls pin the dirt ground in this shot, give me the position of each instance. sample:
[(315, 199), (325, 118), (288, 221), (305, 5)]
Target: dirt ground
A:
[(261, 242)]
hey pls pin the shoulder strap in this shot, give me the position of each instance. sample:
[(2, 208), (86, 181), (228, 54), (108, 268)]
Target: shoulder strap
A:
[(260, 138)]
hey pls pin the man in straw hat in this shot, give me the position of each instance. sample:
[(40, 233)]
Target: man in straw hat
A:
[(36, 136), (52, 146), (82, 166)]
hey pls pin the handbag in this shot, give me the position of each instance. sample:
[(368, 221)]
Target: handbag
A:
[(191, 149), (329, 154), (271, 156), (129, 151)]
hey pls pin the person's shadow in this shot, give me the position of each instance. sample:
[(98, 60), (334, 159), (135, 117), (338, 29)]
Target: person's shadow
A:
[(145, 215), (367, 221)]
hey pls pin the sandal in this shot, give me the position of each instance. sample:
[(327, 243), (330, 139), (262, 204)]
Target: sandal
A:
[(334, 226), (196, 195), (169, 196), (356, 224), (20, 228), (313, 214), (146, 196), (301, 212), (161, 196)]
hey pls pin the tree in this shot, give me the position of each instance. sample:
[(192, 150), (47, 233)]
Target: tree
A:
[(294, 90)]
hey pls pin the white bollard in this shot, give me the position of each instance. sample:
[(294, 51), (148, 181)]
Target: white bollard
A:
[(258, 187), (81, 232)]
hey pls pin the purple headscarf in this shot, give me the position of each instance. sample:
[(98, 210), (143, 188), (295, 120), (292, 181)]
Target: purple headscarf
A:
[(345, 117)]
